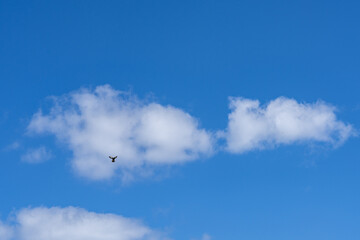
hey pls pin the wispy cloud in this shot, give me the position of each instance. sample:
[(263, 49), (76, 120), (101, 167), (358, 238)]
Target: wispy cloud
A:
[(36, 155), (12, 146), (75, 224), (205, 236), (105, 122), (282, 121)]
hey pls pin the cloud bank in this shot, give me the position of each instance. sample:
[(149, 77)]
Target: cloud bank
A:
[(105, 122), (75, 224), (282, 121), (145, 136)]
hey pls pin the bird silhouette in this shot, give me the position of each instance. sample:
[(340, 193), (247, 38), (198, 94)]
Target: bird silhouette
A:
[(113, 158)]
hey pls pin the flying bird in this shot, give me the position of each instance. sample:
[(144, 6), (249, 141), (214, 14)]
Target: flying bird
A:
[(113, 158)]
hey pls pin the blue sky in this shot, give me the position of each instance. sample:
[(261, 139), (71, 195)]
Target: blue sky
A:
[(198, 169)]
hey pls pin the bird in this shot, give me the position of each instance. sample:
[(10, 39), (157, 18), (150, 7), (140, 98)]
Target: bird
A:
[(113, 158)]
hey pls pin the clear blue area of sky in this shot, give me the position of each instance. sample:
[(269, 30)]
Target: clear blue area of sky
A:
[(192, 55)]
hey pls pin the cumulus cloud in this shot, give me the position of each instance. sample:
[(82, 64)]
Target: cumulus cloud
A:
[(75, 224), (96, 124), (36, 155), (105, 122), (282, 121)]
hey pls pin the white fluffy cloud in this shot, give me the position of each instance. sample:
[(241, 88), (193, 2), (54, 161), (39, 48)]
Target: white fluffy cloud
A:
[(105, 122), (75, 224), (36, 155), (282, 121)]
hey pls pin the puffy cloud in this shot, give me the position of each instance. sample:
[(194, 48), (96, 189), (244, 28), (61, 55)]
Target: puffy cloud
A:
[(95, 124), (75, 224), (105, 122), (282, 121), (37, 155)]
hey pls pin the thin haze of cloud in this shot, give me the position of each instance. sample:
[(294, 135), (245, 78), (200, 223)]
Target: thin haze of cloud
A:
[(12, 146), (76, 224), (6, 232), (105, 122), (144, 136), (36, 155), (282, 121), (205, 236)]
